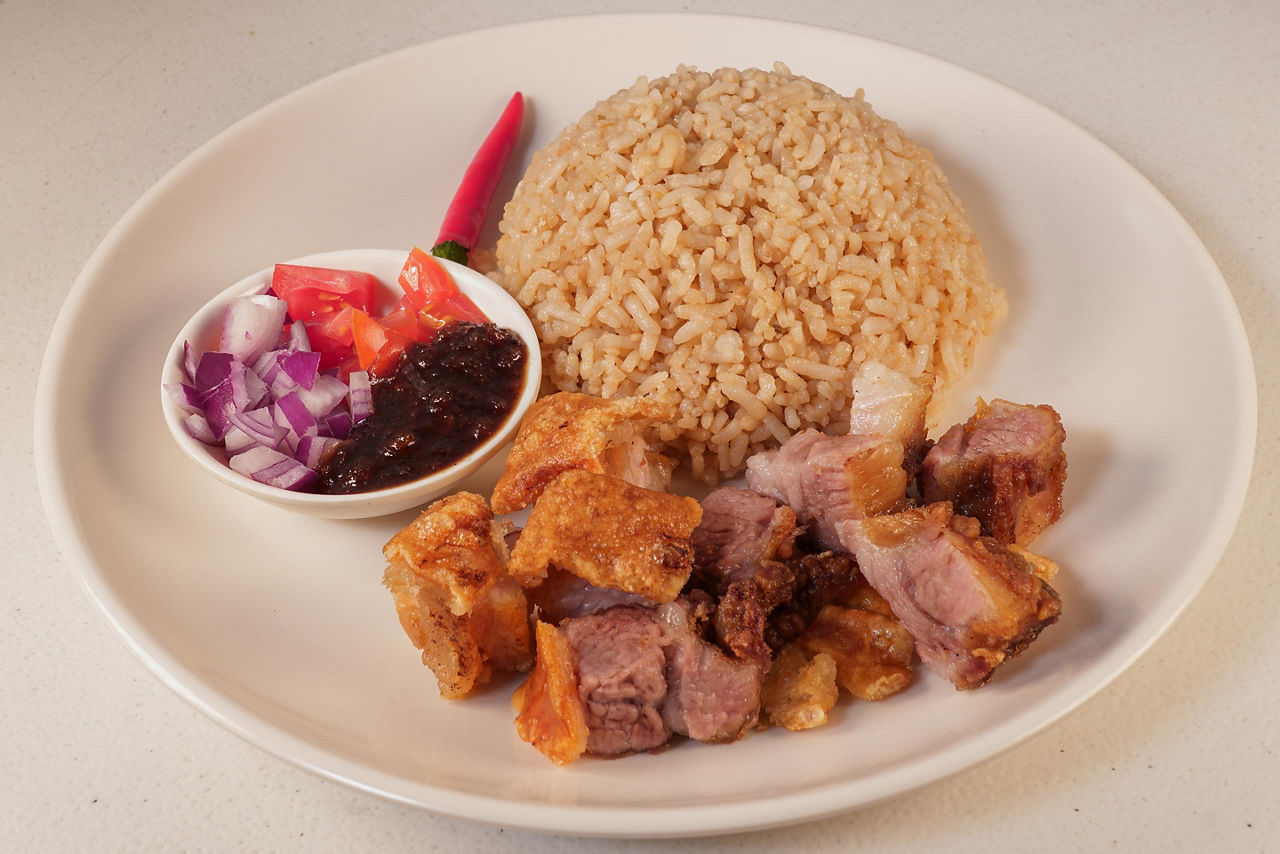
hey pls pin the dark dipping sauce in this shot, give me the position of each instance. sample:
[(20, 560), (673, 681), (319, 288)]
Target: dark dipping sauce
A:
[(440, 403)]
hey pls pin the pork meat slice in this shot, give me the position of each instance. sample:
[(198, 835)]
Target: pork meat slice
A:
[(622, 679), (829, 480), (887, 402), (969, 602), (1005, 467), (711, 697), (738, 530)]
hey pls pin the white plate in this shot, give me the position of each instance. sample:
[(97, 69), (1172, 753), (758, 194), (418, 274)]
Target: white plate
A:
[(277, 626)]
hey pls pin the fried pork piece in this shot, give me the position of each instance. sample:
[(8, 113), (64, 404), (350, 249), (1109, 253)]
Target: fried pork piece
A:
[(872, 652), (746, 603), (828, 480), (740, 529), (800, 691), (454, 597), (887, 402), (611, 533), (563, 595), (550, 715), (567, 431), (626, 679), (711, 696), (1004, 467), (969, 602), (735, 546), (819, 580)]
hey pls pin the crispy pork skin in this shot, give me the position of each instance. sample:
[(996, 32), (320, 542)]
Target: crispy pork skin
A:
[(611, 533), (1005, 467), (828, 480), (872, 652), (969, 602), (567, 431), (549, 713), (453, 596)]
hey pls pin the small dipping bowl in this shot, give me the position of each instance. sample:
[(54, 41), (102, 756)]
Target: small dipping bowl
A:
[(203, 331)]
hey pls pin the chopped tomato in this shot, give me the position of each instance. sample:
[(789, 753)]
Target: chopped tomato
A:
[(430, 291), (312, 291), (378, 346)]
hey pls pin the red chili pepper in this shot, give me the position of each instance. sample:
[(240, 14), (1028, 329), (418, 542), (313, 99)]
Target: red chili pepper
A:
[(465, 216)]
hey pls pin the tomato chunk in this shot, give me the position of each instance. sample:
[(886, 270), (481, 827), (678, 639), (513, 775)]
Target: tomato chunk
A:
[(313, 291), (430, 291)]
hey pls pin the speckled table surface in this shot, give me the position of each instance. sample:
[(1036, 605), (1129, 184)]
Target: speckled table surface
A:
[(100, 100)]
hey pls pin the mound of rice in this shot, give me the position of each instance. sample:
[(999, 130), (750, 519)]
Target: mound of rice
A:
[(738, 242)]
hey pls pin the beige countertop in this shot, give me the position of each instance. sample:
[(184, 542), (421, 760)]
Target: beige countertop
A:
[(1180, 753)]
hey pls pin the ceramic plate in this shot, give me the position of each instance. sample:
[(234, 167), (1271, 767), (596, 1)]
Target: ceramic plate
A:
[(277, 626)]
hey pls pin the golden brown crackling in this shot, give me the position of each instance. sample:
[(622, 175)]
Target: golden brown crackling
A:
[(453, 595), (799, 692), (567, 431), (611, 533), (872, 652), (549, 713)]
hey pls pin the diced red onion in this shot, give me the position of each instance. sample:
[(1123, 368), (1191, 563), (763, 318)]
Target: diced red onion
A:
[(212, 369), (198, 427), (298, 338), (337, 424), (273, 468), (184, 397), (322, 397), (189, 360), (259, 426), (263, 398), (302, 366), (296, 414), (313, 450), (251, 326), (359, 396), (240, 391)]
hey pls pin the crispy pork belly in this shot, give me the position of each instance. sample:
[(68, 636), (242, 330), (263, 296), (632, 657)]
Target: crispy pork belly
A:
[(549, 713), (566, 431), (872, 652), (887, 403), (453, 596), (611, 533), (712, 697), (969, 602), (738, 530), (735, 546), (1004, 467), (628, 678), (800, 691), (828, 480), (563, 595), (747, 601), (622, 679), (830, 576)]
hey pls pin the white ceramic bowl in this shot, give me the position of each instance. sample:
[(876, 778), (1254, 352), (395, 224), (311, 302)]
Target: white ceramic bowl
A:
[(203, 333)]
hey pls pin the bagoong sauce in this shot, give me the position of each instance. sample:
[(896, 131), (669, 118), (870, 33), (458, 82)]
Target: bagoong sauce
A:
[(442, 401)]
